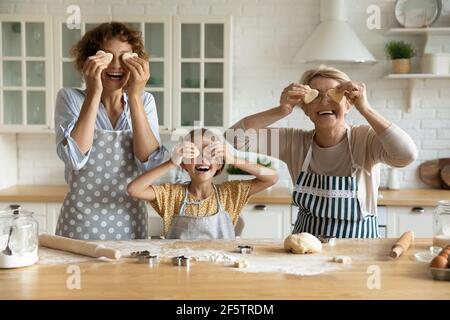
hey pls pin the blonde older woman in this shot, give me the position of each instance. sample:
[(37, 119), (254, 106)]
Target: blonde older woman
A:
[(334, 167)]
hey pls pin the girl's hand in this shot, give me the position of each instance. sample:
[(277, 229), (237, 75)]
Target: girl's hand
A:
[(219, 152), (139, 73), (291, 96), (355, 94), (92, 73), (185, 150)]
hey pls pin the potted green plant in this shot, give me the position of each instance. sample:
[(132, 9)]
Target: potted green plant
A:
[(400, 53), (238, 174)]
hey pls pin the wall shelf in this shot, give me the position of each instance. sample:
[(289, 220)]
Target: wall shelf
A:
[(415, 81), (419, 31)]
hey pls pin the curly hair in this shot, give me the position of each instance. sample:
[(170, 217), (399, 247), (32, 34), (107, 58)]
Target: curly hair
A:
[(92, 40)]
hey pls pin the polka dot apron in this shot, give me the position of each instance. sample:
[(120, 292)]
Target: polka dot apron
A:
[(97, 206), (216, 226), (329, 205)]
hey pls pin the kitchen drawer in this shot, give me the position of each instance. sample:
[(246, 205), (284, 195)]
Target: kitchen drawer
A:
[(382, 215), (417, 219), (265, 221)]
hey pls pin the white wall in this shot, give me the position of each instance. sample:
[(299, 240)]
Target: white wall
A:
[(267, 34), (8, 160)]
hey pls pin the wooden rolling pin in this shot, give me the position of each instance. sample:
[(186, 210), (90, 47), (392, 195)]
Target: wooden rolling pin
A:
[(77, 246), (402, 245)]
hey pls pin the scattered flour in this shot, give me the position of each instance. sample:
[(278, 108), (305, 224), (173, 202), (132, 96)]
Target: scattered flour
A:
[(258, 261)]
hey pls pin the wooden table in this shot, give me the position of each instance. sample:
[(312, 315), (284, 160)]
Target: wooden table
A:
[(404, 278)]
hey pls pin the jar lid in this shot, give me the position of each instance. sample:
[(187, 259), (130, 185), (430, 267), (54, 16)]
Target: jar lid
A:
[(15, 213)]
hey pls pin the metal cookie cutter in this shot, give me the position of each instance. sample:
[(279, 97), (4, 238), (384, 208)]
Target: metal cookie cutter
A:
[(245, 249), (181, 261), (327, 239), (150, 260), (136, 254)]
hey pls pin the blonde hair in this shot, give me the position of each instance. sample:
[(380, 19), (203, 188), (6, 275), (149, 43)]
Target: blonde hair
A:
[(325, 72)]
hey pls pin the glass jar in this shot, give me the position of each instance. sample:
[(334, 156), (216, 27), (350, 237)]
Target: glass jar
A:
[(441, 224), (18, 238)]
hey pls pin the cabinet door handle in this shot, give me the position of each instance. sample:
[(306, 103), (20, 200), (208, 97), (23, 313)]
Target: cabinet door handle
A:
[(260, 207), (418, 210)]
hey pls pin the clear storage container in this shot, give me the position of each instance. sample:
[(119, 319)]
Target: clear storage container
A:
[(18, 238), (441, 224)]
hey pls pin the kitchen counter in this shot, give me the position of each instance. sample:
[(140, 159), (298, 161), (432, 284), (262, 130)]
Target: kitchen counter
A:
[(404, 278), (275, 195)]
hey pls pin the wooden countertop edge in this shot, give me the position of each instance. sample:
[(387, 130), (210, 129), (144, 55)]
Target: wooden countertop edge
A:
[(281, 196)]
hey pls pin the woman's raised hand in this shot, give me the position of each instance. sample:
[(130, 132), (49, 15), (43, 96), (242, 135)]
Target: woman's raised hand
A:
[(356, 94), (184, 150), (139, 73), (291, 96), (92, 73)]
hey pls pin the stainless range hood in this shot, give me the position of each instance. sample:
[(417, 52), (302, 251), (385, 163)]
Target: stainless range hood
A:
[(333, 41)]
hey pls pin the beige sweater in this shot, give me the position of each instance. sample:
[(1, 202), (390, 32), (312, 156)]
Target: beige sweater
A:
[(393, 147)]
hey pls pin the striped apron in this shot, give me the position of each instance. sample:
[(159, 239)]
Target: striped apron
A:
[(329, 205)]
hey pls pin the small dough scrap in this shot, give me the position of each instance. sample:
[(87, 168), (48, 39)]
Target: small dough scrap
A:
[(241, 264), (128, 55), (310, 96), (335, 95), (342, 259), (302, 243)]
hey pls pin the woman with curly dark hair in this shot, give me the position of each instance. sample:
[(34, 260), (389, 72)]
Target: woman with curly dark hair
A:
[(105, 135)]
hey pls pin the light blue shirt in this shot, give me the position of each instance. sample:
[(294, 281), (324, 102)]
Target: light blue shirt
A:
[(67, 111)]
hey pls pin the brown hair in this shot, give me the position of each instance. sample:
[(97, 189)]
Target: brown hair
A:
[(325, 72), (95, 38), (207, 134)]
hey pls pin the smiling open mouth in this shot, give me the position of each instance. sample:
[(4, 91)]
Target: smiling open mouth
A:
[(202, 168), (115, 75), (326, 112)]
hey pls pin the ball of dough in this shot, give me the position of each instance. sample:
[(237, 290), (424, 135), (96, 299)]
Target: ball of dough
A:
[(302, 243)]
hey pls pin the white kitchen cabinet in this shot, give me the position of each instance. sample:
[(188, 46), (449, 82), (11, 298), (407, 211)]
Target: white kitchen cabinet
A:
[(417, 219), (53, 210), (202, 71), (26, 80), (155, 223), (268, 221), (190, 65)]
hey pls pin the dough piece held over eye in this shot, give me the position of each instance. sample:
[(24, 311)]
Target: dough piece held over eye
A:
[(302, 243), (310, 96), (128, 55), (106, 56), (335, 95)]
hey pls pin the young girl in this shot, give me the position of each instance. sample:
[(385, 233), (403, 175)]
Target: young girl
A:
[(199, 209)]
